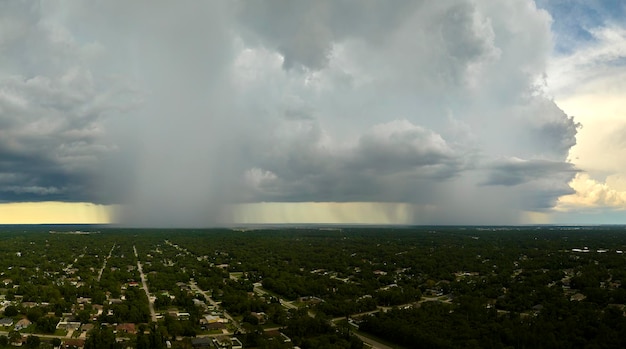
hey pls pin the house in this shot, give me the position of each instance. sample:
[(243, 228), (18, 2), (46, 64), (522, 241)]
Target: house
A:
[(73, 343), (98, 308), (215, 326), (6, 322), (17, 342), (277, 335), (83, 300), (126, 328), (261, 317), (222, 342), (86, 327), (29, 304), (236, 343), (199, 303), (22, 324), (201, 342), (183, 316), (69, 325), (227, 342), (213, 318)]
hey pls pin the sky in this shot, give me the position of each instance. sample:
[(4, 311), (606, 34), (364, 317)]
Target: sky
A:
[(197, 114)]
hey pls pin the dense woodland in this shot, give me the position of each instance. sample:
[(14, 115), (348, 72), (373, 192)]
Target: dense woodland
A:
[(447, 287)]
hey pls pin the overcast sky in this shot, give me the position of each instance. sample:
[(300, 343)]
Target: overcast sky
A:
[(201, 113)]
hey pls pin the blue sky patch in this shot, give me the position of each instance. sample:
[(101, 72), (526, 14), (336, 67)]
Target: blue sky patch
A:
[(573, 20)]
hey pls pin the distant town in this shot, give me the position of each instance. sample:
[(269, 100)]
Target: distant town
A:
[(308, 287)]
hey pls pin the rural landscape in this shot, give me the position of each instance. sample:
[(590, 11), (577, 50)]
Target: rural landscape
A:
[(313, 287)]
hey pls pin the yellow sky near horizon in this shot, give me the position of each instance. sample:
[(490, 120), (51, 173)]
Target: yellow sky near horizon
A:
[(252, 213), (55, 213)]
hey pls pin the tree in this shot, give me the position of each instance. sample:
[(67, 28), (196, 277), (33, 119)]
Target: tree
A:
[(84, 316), (34, 314), (32, 341), (99, 338), (11, 311), (47, 324), (14, 337), (155, 338)]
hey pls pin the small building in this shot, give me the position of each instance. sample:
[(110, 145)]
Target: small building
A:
[(183, 316), (29, 304), (83, 300), (6, 322), (22, 324), (215, 326), (209, 319), (224, 342), (236, 343), (278, 336), (86, 327), (73, 343), (261, 317), (201, 342), (126, 328)]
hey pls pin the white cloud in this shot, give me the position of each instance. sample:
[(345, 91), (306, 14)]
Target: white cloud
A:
[(328, 101), (587, 81), (592, 68), (592, 194)]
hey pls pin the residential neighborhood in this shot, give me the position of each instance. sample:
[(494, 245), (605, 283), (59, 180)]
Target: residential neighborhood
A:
[(305, 288)]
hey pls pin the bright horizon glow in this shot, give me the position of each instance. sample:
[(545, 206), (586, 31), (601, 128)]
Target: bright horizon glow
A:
[(51, 212), (251, 213), (366, 213)]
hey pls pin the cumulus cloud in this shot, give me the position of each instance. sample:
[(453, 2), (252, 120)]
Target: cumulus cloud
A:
[(222, 103), (51, 138), (592, 194), (586, 76), (390, 162)]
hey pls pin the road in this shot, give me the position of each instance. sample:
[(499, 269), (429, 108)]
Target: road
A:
[(261, 292), (194, 287), (286, 304), (374, 344), (145, 288), (104, 264)]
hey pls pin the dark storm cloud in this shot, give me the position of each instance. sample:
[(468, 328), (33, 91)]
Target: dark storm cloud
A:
[(50, 142), (52, 108), (511, 172), (180, 108), (392, 162)]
